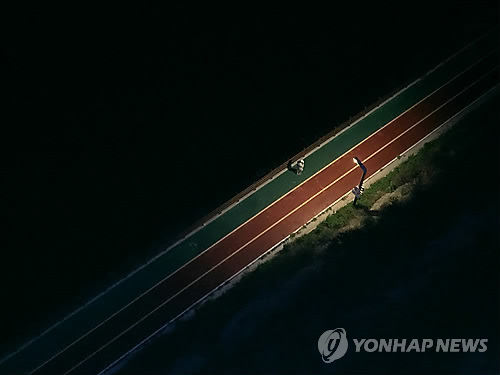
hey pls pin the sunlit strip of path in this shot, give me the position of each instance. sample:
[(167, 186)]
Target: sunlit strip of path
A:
[(142, 280)]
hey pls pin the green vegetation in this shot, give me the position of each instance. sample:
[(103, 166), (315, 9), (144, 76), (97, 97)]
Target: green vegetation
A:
[(416, 170), (421, 267)]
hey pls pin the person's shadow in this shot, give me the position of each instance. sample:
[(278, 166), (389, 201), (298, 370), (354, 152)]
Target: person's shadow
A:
[(368, 211)]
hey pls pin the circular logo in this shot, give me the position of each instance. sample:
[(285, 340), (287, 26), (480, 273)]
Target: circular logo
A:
[(332, 344)]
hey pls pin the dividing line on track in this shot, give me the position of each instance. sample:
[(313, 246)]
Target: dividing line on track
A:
[(272, 226)]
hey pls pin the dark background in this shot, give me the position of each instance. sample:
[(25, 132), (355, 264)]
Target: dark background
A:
[(123, 126)]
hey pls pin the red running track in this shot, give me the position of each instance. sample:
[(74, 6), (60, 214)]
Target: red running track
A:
[(127, 329)]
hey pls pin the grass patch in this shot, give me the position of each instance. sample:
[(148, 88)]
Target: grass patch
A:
[(416, 170)]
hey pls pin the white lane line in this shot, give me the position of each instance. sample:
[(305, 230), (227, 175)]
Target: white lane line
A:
[(278, 222), (266, 208)]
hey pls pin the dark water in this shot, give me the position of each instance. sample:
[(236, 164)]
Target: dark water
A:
[(122, 126)]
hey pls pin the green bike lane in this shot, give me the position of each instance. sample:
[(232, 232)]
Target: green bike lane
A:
[(125, 291)]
